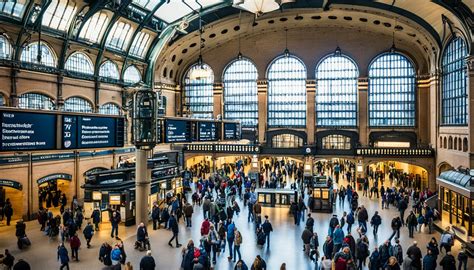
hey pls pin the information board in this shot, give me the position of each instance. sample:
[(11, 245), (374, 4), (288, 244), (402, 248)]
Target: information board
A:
[(231, 131), (27, 131), (207, 131), (177, 131)]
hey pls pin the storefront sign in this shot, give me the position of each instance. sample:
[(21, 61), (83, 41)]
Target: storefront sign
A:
[(177, 131), (13, 159), (27, 131), (114, 199), (10, 183), (54, 177), (207, 131), (96, 196), (61, 156)]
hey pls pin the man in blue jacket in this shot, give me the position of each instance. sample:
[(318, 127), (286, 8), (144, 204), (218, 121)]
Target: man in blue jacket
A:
[(63, 256), (175, 229), (267, 229)]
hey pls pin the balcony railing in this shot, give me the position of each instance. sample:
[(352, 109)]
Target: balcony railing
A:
[(395, 152), (223, 148)]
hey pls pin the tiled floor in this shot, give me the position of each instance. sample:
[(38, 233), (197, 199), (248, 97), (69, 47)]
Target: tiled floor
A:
[(286, 243)]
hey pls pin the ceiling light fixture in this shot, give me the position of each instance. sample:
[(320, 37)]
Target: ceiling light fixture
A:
[(200, 72), (259, 7)]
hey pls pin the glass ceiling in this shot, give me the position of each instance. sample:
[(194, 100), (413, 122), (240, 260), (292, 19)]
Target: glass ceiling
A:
[(175, 9)]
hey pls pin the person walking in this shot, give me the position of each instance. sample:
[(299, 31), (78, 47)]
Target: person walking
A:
[(114, 221), (448, 262), (95, 216), (396, 225), (411, 222), (328, 247), (375, 222), (398, 251), (414, 253), (147, 262), (237, 244), (88, 233), (155, 215), (306, 237), (402, 207), (350, 221), (63, 257), (173, 224), (429, 261), (362, 218), (8, 211), (462, 258), (116, 255), (374, 260), (310, 223), (230, 239), (8, 260), (75, 244), (447, 240), (267, 229), (338, 238), (188, 213)]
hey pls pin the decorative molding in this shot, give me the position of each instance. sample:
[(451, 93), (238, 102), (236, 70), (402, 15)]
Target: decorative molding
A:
[(470, 63)]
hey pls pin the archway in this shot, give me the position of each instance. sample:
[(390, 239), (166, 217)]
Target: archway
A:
[(398, 173), (51, 187), (444, 166), (12, 191)]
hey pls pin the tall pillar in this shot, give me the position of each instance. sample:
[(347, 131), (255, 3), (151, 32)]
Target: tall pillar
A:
[(470, 91), (362, 88), (142, 187), (262, 88), (423, 112), (218, 100), (433, 109), (310, 110)]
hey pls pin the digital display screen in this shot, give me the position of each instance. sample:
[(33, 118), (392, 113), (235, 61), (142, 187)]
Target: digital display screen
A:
[(27, 131), (177, 131), (91, 132), (231, 131), (207, 131)]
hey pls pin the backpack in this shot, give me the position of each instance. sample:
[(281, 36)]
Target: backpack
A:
[(341, 264), (350, 219)]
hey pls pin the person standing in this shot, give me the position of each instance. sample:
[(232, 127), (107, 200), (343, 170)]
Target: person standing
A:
[(462, 258), (114, 221), (411, 223), (398, 251), (8, 260), (75, 244), (328, 247), (147, 262), (429, 261), (230, 239), (188, 214), (96, 218), (362, 217), (338, 238), (375, 262), (350, 220), (63, 256), (237, 244), (362, 252), (173, 224), (448, 262), (402, 207), (88, 233), (375, 222), (396, 225), (414, 253), (306, 237), (155, 215), (294, 212), (310, 223), (267, 229), (8, 211)]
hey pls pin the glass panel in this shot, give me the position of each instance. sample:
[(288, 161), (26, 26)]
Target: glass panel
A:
[(392, 100), (15, 8), (79, 62), (119, 36), (286, 141), (59, 14), (199, 93), (240, 93), (77, 104), (148, 4), (30, 54), (2, 100), (35, 101), (338, 142), (336, 92), (287, 92), (94, 28), (132, 75), (454, 108), (176, 9), (109, 70), (110, 109), (5, 48), (140, 45)]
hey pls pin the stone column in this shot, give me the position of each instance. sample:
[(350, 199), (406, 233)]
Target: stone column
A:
[(142, 187), (433, 109), (310, 110), (262, 88), (362, 88), (218, 100), (423, 119)]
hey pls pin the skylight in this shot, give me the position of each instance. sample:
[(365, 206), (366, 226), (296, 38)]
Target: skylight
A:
[(176, 9)]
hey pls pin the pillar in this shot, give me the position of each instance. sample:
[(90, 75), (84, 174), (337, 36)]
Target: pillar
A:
[(470, 91), (262, 88), (362, 88), (433, 109), (310, 110), (59, 94), (218, 104), (423, 117), (142, 187)]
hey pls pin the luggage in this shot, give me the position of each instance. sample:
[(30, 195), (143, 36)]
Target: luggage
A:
[(26, 241)]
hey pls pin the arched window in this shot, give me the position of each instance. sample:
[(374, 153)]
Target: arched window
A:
[(459, 144), (94, 28), (132, 75), (392, 99), (286, 92), (110, 109), (454, 108), (336, 92), (199, 93), (450, 142), (59, 14), (240, 92), (464, 145), (30, 54), (35, 101), (5, 48), (445, 143), (335, 141), (119, 36), (140, 44), (3, 101), (13, 8), (79, 62), (109, 69), (77, 104), (286, 141)]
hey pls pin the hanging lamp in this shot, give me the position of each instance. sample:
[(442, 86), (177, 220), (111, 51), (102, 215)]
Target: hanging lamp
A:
[(200, 72)]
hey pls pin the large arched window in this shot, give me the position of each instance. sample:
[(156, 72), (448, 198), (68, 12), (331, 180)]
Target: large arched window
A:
[(336, 91), (286, 141), (240, 92), (392, 101), (79, 62), (287, 92), (77, 104), (13, 8), (454, 108), (30, 54), (110, 109), (119, 36), (94, 28), (59, 14), (35, 101), (336, 142), (140, 44), (198, 92), (132, 75), (5, 48), (109, 69)]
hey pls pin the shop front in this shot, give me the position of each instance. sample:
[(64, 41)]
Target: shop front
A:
[(456, 203), (51, 187), (12, 190)]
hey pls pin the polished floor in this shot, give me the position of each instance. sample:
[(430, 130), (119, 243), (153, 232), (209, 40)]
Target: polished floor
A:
[(286, 243)]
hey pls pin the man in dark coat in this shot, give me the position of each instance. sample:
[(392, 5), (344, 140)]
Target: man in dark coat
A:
[(88, 233), (385, 251), (115, 220), (8, 211), (328, 247), (155, 215), (429, 261), (448, 262), (147, 262), (310, 223), (175, 229), (267, 229), (414, 252), (96, 218)]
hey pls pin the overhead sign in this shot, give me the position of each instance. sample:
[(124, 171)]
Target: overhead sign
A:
[(177, 131), (27, 131), (207, 131), (54, 177), (231, 131), (10, 183)]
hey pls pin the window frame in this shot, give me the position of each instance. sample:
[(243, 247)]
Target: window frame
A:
[(106, 108), (119, 36), (108, 77), (129, 81), (61, 21), (202, 114), (34, 97), (87, 31), (138, 44), (86, 57), (14, 10), (81, 109), (8, 48), (49, 48)]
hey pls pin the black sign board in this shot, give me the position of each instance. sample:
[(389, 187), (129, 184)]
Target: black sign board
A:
[(54, 177), (10, 183), (231, 131), (177, 131), (27, 131), (207, 131)]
